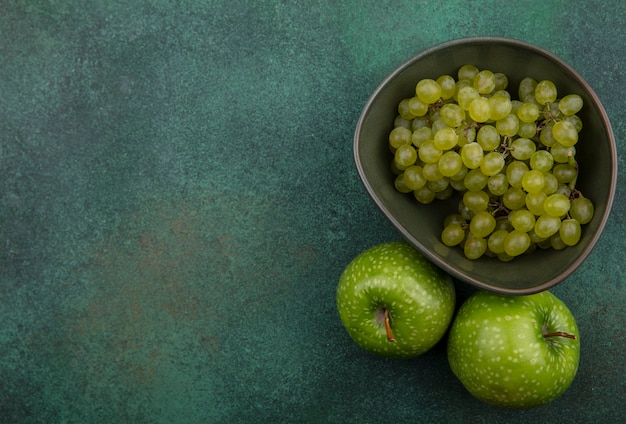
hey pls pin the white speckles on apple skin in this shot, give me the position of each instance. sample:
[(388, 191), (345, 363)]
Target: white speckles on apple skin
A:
[(497, 377), (420, 299)]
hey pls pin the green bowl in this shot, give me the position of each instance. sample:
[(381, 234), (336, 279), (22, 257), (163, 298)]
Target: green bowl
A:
[(421, 225)]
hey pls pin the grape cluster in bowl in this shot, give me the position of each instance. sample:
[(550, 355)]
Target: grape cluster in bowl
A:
[(511, 160)]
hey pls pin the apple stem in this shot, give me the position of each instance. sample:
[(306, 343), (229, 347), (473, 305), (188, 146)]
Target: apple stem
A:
[(560, 334), (388, 326)]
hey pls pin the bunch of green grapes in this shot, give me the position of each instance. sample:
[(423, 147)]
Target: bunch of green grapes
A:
[(511, 161)]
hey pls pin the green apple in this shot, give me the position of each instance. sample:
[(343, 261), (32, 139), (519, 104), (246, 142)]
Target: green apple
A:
[(393, 302), (514, 351)]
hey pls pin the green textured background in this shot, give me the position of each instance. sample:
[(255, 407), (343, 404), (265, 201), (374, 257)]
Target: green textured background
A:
[(178, 199)]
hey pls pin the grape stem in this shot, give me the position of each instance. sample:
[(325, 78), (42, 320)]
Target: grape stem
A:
[(575, 193), (506, 147), (500, 211), (387, 319)]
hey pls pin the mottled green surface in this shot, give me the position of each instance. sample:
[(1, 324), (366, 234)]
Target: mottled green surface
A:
[(178, 200)]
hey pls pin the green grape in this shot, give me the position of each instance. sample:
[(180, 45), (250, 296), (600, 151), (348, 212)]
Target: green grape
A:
[(515, 172), (400, 184), (466, 95), (476, 201), (561, 153), (503, 223), (424, 195), (428, 91), (506, 94), (527, 129), (465, 212), (437, 186), (452, 235), (544, 243), (547, 225), (533, 181), (528, 112), (556, 205), (420, 122), (503, 257), (403, 110), (452, 114), (394, 168), (405, 156), (545, 92), (570, 231), (570, 104), (479, 109), (576, 121), (448, 86), (565, 133), (428, 152), (431, 171), (534, 238), (475, 180), (508, 125), (502, 81), (467, 72), (565, 173), (523, 148), (454, 218), (482, 224), (498, 184), (417, 107), (460, 176), (485, 81), (531, 248), (515, 104), (556, 242), (545, 135), (534, 202), (488, 138), (450, 163), (399, 136), (526, 88), (530, 98), (551, 111), (522, 220), (581, 209), (414, 177), (492, 163), (401, 122), (459, 85), (472, 154), (474, 247), (541, 161), (445, 138), (495, 242), (516, 243), (421, 135), (437, 123), (563, 189), (514, 198), (458, 185), (551, 184), (445, 193), (466, 135), (501, 107)]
